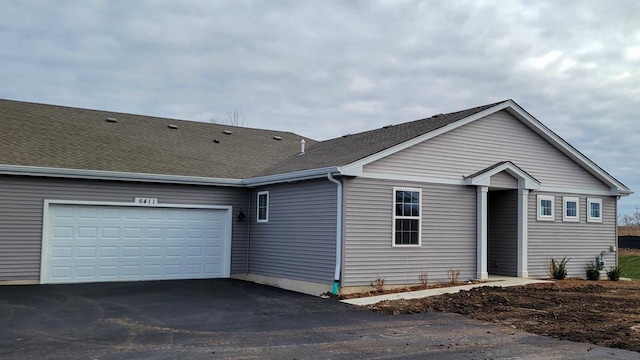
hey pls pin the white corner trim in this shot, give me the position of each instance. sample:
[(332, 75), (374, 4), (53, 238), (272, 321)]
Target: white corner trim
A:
[(523, 234), (481, 232), (114, 175)]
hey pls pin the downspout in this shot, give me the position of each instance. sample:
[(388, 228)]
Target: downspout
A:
[(336, 276)]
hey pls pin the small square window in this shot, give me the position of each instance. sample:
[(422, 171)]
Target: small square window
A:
[(546, 208), (263, 206), (570, 209), (594, 210)]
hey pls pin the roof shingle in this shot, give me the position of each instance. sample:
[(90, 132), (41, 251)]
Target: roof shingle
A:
[(65, 137), (347, 149)]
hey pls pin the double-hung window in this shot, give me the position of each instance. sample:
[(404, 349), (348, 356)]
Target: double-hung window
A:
[(570, 209), (407, 215), (594, 210), (263, 206), (546, 204)]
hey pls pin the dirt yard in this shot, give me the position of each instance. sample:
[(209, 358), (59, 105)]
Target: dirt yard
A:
[(604, 313)]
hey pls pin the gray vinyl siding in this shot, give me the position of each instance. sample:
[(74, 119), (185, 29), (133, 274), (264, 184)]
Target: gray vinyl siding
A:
[(504, 181), (485, 142), (21, 213), (581, 241), (448, 233), (502, 233), (299, 240)]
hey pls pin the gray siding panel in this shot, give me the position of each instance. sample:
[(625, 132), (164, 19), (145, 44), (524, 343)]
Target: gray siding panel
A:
[(502, 233), (299, 240), (504, 180), (581, 241), (21, 213), (448, 233), (483, 143)]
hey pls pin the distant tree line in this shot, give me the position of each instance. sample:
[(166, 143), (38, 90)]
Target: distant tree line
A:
[(232, 118)]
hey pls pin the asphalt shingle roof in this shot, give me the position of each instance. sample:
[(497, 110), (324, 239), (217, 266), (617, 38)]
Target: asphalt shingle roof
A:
[(347, 149), (65, 137)]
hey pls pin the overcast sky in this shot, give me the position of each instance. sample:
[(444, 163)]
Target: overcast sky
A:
[(326, 68)]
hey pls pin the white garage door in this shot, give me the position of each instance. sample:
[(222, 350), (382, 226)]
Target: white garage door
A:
[(88, 243)]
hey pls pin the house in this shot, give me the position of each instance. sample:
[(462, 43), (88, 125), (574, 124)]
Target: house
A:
[(90, 196)]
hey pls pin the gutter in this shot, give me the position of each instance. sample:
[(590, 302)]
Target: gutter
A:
[(336, 275), (115, 175), (289, 177)]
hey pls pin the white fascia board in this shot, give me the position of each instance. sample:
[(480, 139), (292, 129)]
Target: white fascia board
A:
[(115, 175), (394, 149), (577, 191), (566, 148), (292, 176), (484, 179)]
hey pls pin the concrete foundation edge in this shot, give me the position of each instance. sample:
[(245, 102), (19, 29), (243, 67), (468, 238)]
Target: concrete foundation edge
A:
[(304, 287)]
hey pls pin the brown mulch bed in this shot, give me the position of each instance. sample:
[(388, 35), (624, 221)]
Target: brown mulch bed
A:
[(604, 313), (374, 292)]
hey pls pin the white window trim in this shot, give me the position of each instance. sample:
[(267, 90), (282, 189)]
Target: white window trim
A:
[(260, 193), (589, 217), (565, 217), (419, 217), (551, 217)]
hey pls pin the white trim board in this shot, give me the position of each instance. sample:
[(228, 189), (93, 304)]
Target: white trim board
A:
[(462, 182), (356, 168), (44, 255)]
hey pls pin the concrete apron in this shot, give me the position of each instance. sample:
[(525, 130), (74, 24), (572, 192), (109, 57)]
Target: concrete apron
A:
[(501, 281)]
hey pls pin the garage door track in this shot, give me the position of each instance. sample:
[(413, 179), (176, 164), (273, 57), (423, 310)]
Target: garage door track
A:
[(221, 319)]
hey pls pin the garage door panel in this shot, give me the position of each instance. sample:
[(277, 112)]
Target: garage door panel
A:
[(87, 243)]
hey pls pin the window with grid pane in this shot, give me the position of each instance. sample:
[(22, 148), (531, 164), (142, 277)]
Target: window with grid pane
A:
[(407, 216), (570, 209), (594, 210), (263, 206)]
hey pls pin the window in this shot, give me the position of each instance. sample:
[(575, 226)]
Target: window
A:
[(545, 208), (570, 209), (407, 217), (263, 206), (594, 210)]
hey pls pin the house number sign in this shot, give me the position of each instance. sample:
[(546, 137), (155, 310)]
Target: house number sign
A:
[(145, 201)]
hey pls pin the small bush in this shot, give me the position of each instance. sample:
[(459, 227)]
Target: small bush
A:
[(378, 284), (557, 269), (592, 272), (423, 278), (614, 273), (453, 275)]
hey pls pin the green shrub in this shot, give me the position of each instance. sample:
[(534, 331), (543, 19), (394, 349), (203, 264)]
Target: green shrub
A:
[(614, 273), (592, 272), (557, 269)]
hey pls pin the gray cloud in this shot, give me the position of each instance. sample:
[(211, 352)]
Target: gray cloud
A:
[(327, 68)]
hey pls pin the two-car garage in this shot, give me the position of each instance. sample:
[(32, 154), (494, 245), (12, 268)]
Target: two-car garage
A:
[(96, 242)]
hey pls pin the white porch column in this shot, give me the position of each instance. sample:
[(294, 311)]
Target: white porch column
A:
[(523, 195), (481, 254)]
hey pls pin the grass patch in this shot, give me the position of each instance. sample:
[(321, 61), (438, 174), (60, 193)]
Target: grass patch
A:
[(629, 262)]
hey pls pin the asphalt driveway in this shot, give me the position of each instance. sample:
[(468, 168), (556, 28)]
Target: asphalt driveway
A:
[(222, 319)]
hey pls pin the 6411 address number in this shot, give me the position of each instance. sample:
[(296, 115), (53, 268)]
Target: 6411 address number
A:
[(145, 201)]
